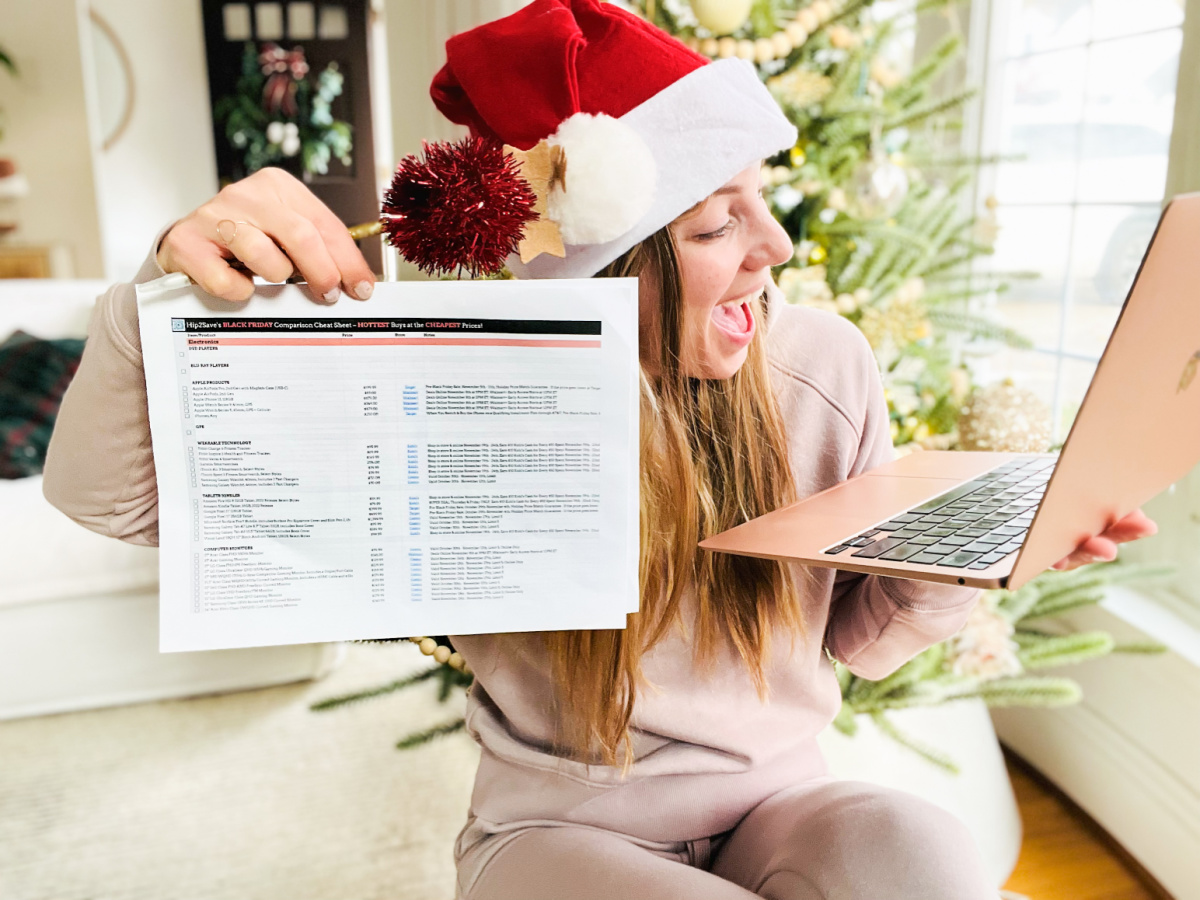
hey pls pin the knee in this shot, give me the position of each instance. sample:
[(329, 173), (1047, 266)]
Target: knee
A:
[(893, 822), (878, 837)]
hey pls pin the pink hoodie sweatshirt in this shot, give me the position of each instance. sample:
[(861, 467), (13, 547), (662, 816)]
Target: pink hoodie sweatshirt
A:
[(706, 749)]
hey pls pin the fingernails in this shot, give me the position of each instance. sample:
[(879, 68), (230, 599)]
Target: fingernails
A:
[(363, 290), (331, 296)]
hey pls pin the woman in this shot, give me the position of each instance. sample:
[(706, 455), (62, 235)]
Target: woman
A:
[(676, 757)]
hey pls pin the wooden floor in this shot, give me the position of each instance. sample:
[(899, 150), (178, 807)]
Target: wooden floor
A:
[(1065, 855)]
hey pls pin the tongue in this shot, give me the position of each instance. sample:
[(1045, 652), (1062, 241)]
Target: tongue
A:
[(732, 318)]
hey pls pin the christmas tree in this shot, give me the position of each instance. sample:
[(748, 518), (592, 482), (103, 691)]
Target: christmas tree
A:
[(874, 194)]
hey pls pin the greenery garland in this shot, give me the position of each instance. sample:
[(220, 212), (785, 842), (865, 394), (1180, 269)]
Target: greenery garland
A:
[(278, 116)]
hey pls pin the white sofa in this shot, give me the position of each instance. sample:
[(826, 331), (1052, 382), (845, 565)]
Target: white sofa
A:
[(78, 611)]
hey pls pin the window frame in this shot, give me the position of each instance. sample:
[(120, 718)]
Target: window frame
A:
[(986, 56)]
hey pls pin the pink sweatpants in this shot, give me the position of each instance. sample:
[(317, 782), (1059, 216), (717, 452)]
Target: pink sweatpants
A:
[(821, 840)]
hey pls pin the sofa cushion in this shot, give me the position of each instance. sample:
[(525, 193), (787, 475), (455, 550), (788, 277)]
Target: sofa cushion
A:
[(34, 375), (47, 307), (47, 556)]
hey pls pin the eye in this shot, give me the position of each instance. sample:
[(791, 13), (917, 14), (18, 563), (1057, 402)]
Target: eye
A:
[(713, 235)]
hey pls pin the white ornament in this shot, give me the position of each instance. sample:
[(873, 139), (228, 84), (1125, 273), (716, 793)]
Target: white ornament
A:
[(721, 16), (608, 183), (880, 187), (275, 133)]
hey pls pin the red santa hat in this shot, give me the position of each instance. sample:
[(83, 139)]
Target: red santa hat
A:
[(648, 128)]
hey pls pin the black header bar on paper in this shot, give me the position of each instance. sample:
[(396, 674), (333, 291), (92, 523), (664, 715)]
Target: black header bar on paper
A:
[(366, 326)]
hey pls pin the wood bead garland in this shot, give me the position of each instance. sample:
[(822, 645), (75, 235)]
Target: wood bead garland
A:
[(767, 49), (442, 653)]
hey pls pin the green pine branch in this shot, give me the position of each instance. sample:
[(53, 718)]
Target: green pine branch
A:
[(924, 6), (936, 298), (921, 113), (937, 757), (846, 720), (417, 738), (850, 12), (765, 17), (978, 327), (1146, 648), (1030, 690), (927, 664), (1065, 650), (916, 86), (390, 687)]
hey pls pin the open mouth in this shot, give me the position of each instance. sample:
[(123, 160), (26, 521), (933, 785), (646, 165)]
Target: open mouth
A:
[(735, 320)]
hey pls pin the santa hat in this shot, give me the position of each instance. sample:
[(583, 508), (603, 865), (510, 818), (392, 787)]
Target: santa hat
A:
[(647, 127)]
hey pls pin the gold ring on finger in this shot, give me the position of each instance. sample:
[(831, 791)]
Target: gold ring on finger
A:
[(227, 230)]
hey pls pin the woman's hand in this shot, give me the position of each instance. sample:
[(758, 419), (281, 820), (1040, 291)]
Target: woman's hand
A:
[(275, 225), (1103, 547)]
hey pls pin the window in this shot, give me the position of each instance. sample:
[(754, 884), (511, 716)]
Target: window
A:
[(1078, 100)]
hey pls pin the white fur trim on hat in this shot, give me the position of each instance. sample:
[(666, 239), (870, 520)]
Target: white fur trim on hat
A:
[(701, 131), (609, 182)]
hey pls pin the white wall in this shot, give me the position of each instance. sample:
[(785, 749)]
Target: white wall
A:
[(47, 132), (164, 165), (108, 205), (417, 31)]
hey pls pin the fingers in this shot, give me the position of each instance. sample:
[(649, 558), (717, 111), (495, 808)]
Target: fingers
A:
[(1134, 526), (260, 254), (357, 278), (306, 247), (1097, 549), (1094, 549), (340, 262), (281, 227), (1103, 547), (184, 250)]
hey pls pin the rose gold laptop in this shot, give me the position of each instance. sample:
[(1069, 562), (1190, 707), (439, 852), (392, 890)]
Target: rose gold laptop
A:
[(998, 519)]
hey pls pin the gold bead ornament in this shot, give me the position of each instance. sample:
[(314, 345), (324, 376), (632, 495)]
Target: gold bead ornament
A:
[(767, 49), (442, 654)]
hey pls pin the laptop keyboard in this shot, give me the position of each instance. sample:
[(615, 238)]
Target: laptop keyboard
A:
[(972, 526)]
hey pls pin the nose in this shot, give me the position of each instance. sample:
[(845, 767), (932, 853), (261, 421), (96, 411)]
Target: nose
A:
[(771, 245)]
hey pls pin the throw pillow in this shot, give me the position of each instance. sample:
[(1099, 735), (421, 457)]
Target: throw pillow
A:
[(34, 375)]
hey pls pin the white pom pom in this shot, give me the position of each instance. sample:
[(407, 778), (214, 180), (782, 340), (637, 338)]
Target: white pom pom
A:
[(610, 177)]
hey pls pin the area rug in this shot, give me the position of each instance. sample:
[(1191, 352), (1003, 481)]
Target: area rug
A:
[(244, 796)]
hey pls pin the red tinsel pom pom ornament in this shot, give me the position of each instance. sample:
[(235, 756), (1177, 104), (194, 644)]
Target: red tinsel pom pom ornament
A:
[(463, 207)]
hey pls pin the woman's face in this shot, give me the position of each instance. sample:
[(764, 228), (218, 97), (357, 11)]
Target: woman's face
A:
[(726, 249)]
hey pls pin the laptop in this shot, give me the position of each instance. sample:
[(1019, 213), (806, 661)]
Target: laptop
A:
[(996, 520)]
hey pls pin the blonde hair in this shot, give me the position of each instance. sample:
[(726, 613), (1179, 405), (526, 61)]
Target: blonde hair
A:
[(713, 454)]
